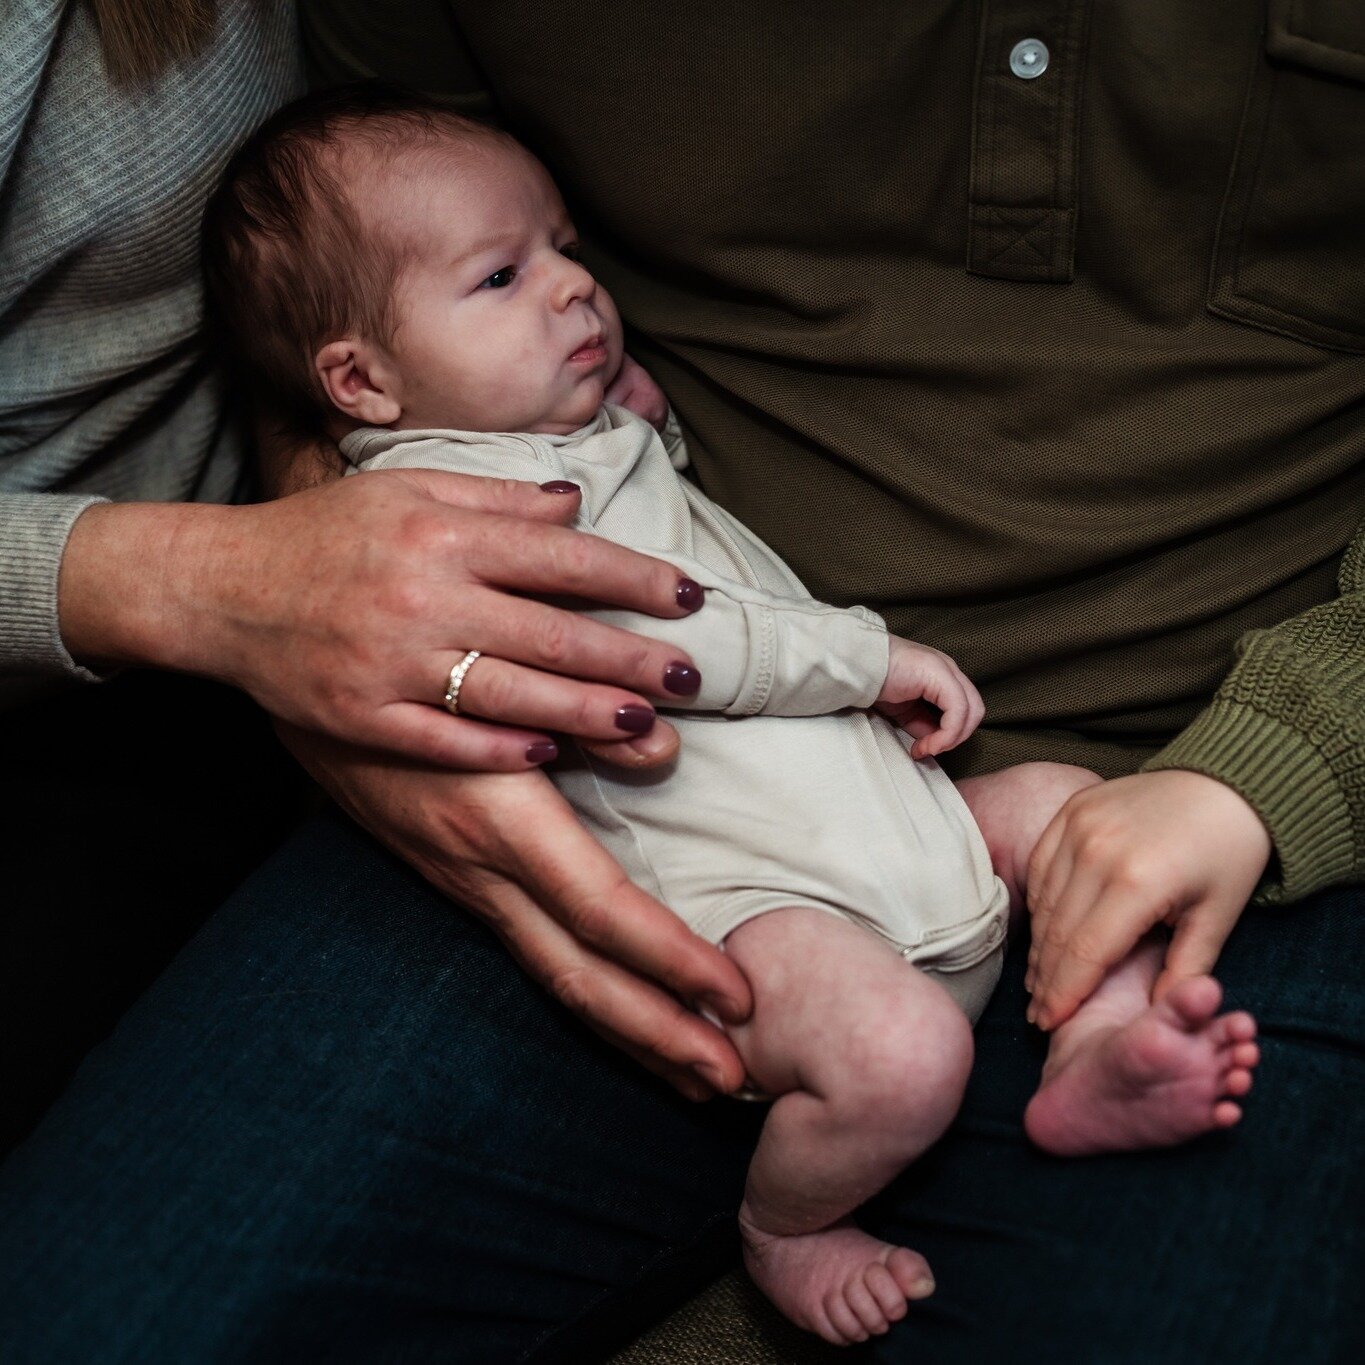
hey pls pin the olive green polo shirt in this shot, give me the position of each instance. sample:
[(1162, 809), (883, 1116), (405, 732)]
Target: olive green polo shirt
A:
[(1037, 327)]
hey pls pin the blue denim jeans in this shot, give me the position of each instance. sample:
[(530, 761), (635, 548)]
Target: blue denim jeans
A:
[(343, 1126)]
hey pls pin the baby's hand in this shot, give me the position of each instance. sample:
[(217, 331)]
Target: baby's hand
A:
[(635, 389), (919, 679)]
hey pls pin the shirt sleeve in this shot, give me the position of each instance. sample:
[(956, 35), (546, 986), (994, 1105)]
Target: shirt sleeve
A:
[(33, 533), (1286, 730)]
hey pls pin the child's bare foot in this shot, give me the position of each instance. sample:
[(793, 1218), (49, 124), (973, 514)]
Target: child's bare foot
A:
[(1163, 1078), (838, 1282)]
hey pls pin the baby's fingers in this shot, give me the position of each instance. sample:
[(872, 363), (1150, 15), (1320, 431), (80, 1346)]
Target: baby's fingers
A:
[(950, 696)]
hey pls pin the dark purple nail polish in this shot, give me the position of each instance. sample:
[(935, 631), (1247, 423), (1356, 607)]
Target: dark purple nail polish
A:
[(690, 595), (542, 751), (559, 486), (635, 720), (682, 680)]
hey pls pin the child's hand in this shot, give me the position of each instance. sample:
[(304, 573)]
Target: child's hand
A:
[(919, 675), (634, 389), (1171, 847)]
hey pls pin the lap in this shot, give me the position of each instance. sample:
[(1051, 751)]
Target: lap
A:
[(344, 1125), (1242, 1246)]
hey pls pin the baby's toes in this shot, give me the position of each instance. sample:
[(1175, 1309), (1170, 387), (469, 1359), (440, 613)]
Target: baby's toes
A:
[(911, 1272), (1196, 1001), (1225, 1114), (842, 1318), (886, 1291), (1243, 1055), (864, 1305), (1237, 1082), (1237, 1027)]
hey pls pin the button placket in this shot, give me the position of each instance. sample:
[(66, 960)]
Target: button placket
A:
[(1025, 125)]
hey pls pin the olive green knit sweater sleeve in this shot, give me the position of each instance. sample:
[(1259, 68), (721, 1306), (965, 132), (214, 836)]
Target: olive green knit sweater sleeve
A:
[(1287, 731)]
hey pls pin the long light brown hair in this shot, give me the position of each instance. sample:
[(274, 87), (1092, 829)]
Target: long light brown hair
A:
[(141, 38)]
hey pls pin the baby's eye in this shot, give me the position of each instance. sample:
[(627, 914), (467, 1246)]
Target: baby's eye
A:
[(500, 279)]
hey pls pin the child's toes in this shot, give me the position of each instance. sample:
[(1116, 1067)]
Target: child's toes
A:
[(911, 1272), (1237, 1082), (1245, 1055), (886, 1291), (865, 1307), (1196, 1001)]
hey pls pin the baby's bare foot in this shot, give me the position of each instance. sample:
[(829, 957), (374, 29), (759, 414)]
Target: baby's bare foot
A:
[(838, 1282), (1169, 1075)]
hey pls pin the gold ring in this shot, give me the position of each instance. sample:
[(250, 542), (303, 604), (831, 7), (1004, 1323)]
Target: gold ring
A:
[(456, 680)]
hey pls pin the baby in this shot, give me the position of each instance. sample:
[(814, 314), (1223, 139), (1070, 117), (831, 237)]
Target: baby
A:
[(801, 827)]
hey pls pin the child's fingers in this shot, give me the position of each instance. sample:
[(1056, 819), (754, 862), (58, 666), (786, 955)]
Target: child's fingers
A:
[(1071, 969), (1196, 944)]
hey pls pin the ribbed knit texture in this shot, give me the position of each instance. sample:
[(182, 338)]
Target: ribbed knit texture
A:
[(1287, 731), (104, 389)]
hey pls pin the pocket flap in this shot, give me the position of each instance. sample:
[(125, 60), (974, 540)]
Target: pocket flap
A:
[(1323, 35)]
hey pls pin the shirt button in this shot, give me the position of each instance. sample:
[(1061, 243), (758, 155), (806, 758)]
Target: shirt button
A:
[(1028, 59)]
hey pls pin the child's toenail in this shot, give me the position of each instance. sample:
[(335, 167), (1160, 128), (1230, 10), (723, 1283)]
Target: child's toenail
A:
[(922, 1288)]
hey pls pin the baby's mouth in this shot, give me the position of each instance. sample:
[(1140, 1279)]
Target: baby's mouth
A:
[(591, 351)]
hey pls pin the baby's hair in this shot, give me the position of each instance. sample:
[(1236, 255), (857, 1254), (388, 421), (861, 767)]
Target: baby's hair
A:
[(289, 261)]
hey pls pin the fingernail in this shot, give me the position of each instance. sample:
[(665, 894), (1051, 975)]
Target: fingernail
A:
[(1031, 1015), (542, 751), (711, 1076), (682, 680), (922, 1288), (690, 595), (635, 720), (559, 486), (724, 1007)]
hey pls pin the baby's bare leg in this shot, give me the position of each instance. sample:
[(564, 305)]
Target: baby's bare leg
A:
[(869, 1058)]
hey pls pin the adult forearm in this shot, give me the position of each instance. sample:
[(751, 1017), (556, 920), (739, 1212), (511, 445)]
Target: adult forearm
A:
[(131, 588)]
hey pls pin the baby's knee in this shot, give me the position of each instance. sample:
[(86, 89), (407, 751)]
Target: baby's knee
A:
[(907, 1063)]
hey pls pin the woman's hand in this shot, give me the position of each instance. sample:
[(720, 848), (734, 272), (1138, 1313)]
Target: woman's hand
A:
[(342, 609), (507, 846), (1171, 847)]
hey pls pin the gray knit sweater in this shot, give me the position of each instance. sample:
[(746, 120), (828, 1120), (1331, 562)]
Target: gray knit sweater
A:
[(104, 388)]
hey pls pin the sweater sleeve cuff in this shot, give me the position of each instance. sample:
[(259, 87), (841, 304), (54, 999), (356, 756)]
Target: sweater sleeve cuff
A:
[(34, 528), (1285, 780)]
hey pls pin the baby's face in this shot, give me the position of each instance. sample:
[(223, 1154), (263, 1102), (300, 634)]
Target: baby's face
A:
[(499, 327)]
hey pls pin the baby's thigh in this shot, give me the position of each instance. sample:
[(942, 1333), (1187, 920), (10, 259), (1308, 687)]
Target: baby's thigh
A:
[(837, 1008)]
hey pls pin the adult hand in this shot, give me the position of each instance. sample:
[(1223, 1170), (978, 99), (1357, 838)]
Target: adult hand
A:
[(1119, 858), (342, 609), (508, 847)]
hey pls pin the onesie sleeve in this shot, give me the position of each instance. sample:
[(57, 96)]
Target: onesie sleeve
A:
[(1286, 731), (761, 654)]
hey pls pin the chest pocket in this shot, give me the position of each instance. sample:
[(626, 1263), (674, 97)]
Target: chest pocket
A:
[(1290, 250)]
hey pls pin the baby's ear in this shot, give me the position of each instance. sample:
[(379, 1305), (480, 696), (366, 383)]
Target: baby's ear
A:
[(358, 382)]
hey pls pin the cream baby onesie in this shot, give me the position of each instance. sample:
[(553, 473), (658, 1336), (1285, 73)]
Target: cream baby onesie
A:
[(786, 792)]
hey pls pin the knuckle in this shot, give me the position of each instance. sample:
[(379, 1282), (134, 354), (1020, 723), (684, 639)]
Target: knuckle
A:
[(553, 638), (575, 559), (574, 988)]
